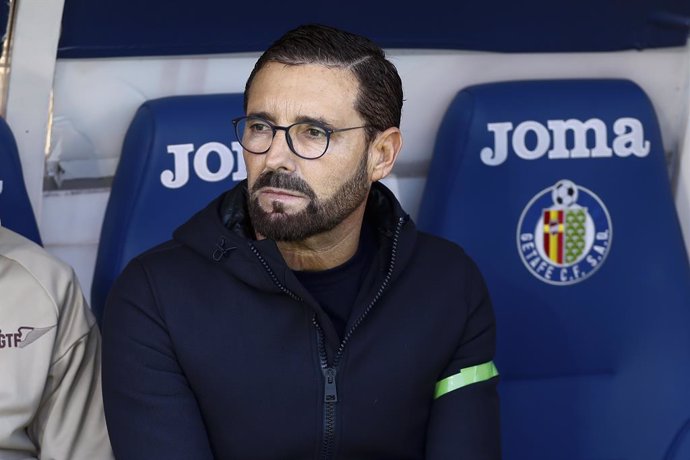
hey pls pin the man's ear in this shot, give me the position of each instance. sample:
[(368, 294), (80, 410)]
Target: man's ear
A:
[(383, 152)]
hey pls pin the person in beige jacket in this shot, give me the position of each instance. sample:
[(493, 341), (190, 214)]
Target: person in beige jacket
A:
[(51, 405)]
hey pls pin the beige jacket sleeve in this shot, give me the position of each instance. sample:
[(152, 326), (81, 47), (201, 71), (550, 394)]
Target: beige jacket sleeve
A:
[(51, 406), (69, 423)]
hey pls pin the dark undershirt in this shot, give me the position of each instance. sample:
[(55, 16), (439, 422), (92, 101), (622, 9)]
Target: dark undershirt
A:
[(336, 289)]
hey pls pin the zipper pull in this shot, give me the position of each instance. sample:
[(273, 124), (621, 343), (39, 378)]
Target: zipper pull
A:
[(220, 250), (330, 393)]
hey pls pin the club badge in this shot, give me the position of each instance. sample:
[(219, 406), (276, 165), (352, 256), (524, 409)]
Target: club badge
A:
[(564, 234)]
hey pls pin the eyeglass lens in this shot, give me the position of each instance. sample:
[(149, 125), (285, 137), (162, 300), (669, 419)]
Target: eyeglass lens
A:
[(306, 139)]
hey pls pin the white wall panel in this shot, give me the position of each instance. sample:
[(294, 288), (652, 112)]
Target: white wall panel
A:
[(94, 101)]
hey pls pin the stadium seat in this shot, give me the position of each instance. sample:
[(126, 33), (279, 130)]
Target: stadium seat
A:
[(16, 212), (559, 191), (178, 154)]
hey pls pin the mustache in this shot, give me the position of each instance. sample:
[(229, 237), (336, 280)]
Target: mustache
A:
[(283, 181)]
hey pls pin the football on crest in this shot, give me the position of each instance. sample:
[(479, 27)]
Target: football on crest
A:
[(564, 193)]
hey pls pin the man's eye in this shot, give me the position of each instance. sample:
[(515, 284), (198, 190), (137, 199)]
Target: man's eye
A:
[(315, 132), (258, 127)]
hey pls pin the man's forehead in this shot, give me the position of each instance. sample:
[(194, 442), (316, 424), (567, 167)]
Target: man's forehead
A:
[(308, 90)]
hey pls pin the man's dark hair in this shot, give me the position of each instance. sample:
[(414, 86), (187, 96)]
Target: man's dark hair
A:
[(380, 96)]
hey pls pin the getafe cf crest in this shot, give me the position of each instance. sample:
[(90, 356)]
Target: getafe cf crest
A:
[(564, 234)]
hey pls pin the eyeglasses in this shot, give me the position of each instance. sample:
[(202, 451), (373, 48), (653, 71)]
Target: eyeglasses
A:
[(308, 140)]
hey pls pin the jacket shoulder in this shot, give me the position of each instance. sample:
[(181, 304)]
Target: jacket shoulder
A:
[(35, 265), (442, 247), (448, 256), (38, 286), (25, 252), (166, 254)]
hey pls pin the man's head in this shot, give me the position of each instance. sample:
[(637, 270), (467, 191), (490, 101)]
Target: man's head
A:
[(380, 96), (317, 91)]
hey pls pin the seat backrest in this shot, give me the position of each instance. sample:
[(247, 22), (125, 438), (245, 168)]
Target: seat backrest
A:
[(16, 212), (559, 191), (178, 154)]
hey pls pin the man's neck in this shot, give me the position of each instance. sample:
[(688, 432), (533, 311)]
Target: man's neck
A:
[(325, 250)]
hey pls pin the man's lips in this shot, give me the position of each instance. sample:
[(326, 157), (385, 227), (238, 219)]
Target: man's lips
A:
[(279, 193)]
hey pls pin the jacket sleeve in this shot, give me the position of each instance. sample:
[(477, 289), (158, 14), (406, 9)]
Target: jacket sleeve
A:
[(69, 422), (464, 421), (150, 409)]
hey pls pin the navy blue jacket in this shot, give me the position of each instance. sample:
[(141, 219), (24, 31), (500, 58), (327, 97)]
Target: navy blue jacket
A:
[(213, 349)]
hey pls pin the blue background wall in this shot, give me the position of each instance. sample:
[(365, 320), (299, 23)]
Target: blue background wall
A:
[(173, 27)]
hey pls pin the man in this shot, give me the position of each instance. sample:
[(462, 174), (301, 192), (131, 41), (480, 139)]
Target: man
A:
[(301, 315), (50, 371)]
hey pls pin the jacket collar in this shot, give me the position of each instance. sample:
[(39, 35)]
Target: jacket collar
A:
[(222, 232)]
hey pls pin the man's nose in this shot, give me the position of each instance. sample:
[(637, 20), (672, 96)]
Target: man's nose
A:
[(279, 156)]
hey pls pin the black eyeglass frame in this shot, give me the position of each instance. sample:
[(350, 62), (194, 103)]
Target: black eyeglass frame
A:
[(275, 128)]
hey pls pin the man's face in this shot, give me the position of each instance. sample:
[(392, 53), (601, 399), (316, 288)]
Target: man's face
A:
[(291, 198)]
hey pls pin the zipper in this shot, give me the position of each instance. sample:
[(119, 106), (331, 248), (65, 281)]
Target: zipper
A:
[(330, 396), (379, 293), (329, 370), (273, 276)]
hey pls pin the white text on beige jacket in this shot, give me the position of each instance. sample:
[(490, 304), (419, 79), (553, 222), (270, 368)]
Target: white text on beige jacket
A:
[(51, 405)]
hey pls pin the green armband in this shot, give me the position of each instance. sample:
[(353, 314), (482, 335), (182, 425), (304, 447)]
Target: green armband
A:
[(466, 376)]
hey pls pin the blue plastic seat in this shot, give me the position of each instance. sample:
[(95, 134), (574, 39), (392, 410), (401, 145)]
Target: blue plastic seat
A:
[(179, 153), (16, 212), (559, 191)]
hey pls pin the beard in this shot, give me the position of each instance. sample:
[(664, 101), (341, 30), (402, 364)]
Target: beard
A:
[(318, 216)]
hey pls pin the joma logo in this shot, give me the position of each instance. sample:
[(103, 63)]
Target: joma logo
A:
[(229, 162), (551, 140)]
